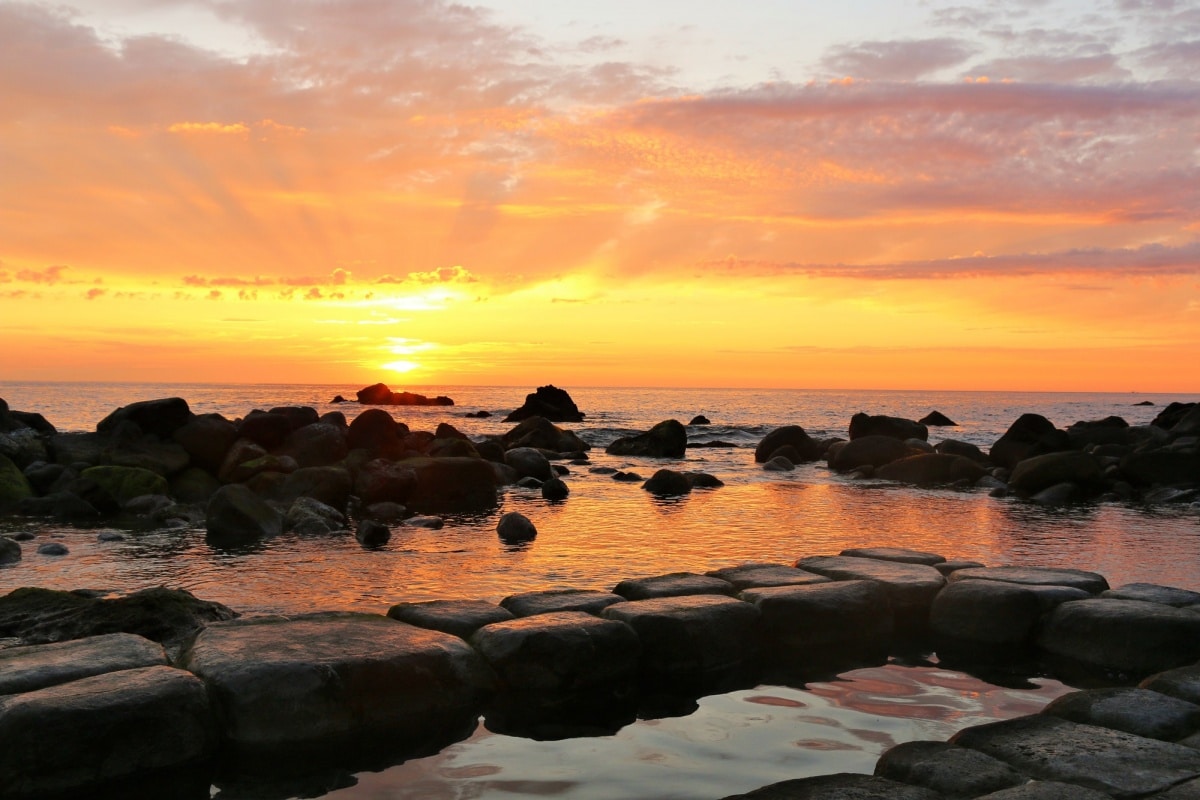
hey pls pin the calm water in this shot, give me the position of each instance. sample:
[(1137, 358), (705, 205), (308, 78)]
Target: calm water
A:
[(607, 531)]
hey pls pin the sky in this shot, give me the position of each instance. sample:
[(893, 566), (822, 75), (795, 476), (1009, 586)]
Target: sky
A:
[(889, 195)]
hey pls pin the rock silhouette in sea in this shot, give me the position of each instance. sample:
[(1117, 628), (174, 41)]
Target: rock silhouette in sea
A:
[(380, 395), (938, 419), (549, 402), (667, 439), (862, 424)]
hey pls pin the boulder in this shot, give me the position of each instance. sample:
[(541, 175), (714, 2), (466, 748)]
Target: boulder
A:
[(546, 601), (380, 394), (1049, 790), (1153, 593), (516, 527), (125, 483), (899, 554), (1090, 582), (331, 485), (1142, 712), (52, 549), (459, 618), (298, 416), (193, 485), (778, 464), (321, 683), (564, 651), (874, 451), (1029, 435), (451, 447), (910, 587), (24, 447), (316, 445), (543, 434), (840, 786), (235, 515), (753, 576), (1117, 763), (666, 483), (1127, 636), (1110, 430), (700, 419), (149, 718), (1181, 682), (702, 480), (881, 425), (265, 428), (555, 489), (375, 431), (550, 402), (931, 469), (806, 447), (1163, 466), (65, 506), (27, 669), (980, 617), (667, 439), (311, 517), (380, 480), (943, 767), (206, 438), (241, 452), (1034, 474), (825, 624), (10, 551), (371, 533), (953, 447), (529, 462), (14, 486), (1188, 424), (1174, 413), (676, 584), (79, 448), (158, 417), (452, 485), (936, 419)]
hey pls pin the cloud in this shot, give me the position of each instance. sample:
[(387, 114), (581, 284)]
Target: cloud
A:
[(48, 276), (896, 60)]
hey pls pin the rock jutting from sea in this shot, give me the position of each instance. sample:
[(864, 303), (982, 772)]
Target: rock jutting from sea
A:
[(162, 692)]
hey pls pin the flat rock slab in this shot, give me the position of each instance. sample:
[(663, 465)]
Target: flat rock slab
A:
[(753, 576), (842, 786), (943, 767), (1118, 763), (1153, 593), (824, 615), (1090, 582), (911, 587), (527, 604), (147, 719), (899, 554), (1126, 635), (987, 612), (334, 679), (25, 669), (459, 618), (693, 634), (1188, 790), (1182, 682), (1141, 712), (565, 651), (1047, 790), (675, 584)]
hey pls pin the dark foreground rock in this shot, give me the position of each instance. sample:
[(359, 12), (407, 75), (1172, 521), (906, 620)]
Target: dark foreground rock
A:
[(1127, 636), (1139, 711), (842, 786), (910, 587), (460, 618), (946, 768), (26, 669)]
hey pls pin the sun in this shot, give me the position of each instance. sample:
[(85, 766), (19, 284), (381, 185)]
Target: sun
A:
[(402, 366)]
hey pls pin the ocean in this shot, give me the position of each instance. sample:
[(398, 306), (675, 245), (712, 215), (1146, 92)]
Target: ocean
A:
[(606, 531)]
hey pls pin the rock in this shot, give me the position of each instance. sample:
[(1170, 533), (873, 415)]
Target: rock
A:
[(79, 448), (265, 428), (241, 452), (14, 486), (753, 576), (110, 536), (1090, 582), (1047, 748), (43, 476), (1181, 682), (691, 638), (1048, 790), (331, 485), (880, 425), (841, 786), (193, 485), (53, 549), (235, 515), (899, 554), (125, 483), (946, 768), (546, 601), (778, 464), (1153, 593), (452, 485), (158, 417), (564, 651), (379, 394), (872, 451), (667, 483), (322, 683), (954, 565), (310, 517), (27, 669), (937, 419), (981, 616), (65, 506), (459, 618), (953, 447), (1032, 475), (298, 416), (529, 462), (1030, 435), (700, 419), (516, 527), (549, 402), (385, 512), (676, 584), (555, 489), (667, 439), (428, 523), (374, 430), (1060, 494), (481, 414), (10, 552), (149, 718), (1188, 424), (148, 505), (372, 533), (316, 445), (24, 447), (1110, 430), (702, 480), (452, 447), (1129, 636), (543, 434), (632, 477), (206, 438), (1174, 413), (931, 469), (910, 587), (380, 481), (1162, 466), (809, 449), (1141, 712)]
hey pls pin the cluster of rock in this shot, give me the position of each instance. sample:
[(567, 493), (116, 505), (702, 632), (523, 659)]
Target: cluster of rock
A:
[(261, 699), (380, 395), (1106, 459)]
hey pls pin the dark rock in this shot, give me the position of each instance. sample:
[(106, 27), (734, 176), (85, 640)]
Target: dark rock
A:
[(459, 618), (452, 447), (1090, 582), (942, 767), (235, 515), (384, 511), (954, 447), (27, 669), (1181, 682), (516, 527), (375, 431), (1107, 431), (667, 439), (1048, 790), (560, 651), (53, 549), (298, 416), (1032, 475), (898, 554), (549, 402), (380, 481), (330, 485), (841, 786), (1128, 636), (931, 469), (193, 485), (24, 447), (1163, 466), (1173, 414), (159, 417), (337, 398), (529, 462), (79, 448), (125, 483), (452, 485), (336, 419), (874, 451), (265, 428), (910, 587), (702, 480), (316, 445), (43, 476), (982, 616), (546, 601), (754, 576), (372, 533), (881, 425), (65, 506), (555, 489), (310, 517), (10, 553), (481, 414), (1141, 712), (676, 584), (954, 565), (1030, 435), (529, 482), (629, 477), (666, 483), (428, 523), (380, 395), (1153, 593), (110, 536), (1118, 763), (937, 419), (778, 464), (1188, 424), (700, 419), (543, 434), (242, 451), (789, 435), (14, 486), (356, 681), (148, 718)]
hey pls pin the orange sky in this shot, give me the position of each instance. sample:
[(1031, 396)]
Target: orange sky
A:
[(425, 193)]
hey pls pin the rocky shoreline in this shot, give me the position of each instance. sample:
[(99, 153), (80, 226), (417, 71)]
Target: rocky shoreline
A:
[(275, 706)]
